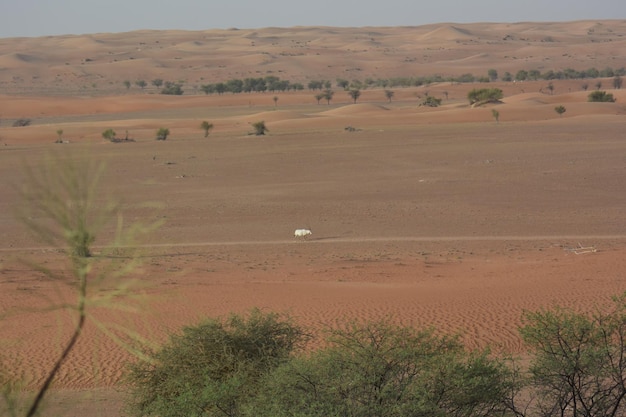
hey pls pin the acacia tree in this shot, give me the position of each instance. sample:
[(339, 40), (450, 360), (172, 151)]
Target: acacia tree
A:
[(378, 369), (212, 368), (328, 95), (578, 366), (389, 94)]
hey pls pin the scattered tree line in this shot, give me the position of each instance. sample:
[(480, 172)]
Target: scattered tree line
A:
[(273, 83)]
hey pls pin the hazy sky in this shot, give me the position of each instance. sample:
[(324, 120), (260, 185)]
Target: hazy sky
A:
[(56, 17)]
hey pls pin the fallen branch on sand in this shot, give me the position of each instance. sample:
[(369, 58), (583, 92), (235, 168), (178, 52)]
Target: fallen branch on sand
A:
[(582, 249)]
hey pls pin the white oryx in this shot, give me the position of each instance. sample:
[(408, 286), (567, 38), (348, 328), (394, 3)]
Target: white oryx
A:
[(302, 233)]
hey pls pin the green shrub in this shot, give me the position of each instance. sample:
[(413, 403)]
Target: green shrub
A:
[(212, 368), (162, 133), (430, 101), (481, 96), (601, 97)]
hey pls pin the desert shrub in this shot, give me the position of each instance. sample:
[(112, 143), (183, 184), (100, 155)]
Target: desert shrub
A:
[(560, 110), (260, 128), (212, 368), (430, 101), (206, 126), (162, 133), (21, 123), (477, 97), (600, 96), (109, 134), (379, 369)]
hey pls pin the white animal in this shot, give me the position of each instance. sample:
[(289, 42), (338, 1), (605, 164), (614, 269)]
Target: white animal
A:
[(303, 233)]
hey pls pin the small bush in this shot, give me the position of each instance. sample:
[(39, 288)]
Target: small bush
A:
[(109, 134), (260, 128), (171, 88), (600, 97), (162, 133), (430, 101), (481, 96)]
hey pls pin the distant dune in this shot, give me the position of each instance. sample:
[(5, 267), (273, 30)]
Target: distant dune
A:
[(97, 64)]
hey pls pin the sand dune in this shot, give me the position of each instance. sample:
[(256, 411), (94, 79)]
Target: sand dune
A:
[(429, 216)]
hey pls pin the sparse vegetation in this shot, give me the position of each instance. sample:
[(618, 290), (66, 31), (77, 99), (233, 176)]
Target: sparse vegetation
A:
[(600, 97), (127, 84), (162, 133), (157, 82), (617, 82), (141, 84), (259, 128), (59, 136), (328, 95), (206, 126), (560, 110), (389, 94)]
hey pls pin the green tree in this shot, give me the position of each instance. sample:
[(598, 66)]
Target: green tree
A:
[(560, 110), (600, 96), (212, 369), (141, 84), (492, 74), (354, 94), (206, 126), (109, 134), (617, 82), (342, 83), (379, 369), (59, 136), (275, 98), (328, 95), (319, 97), (157, 82), (389, 94), (578, 365), (162, 133), (260, 128), (127, 84)]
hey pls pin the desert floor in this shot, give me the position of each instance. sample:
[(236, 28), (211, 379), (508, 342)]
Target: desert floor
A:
[(427, 217)]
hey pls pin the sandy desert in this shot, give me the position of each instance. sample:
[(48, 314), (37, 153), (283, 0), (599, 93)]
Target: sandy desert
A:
[(426, 216)]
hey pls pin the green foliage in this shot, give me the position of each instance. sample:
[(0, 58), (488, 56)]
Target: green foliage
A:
[(379, 369), (59, 136), (213, 368), (481, 96), (617, 82), (127, 84), (141, 84), (260, 128), (560, 110), (431, 101), (109, 134), (206, 126), (389, 94), (492, 74), (63, 207), (600, 97), (496, 115), (328, 95), (578, 365), (157, 82), (162, 133)]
